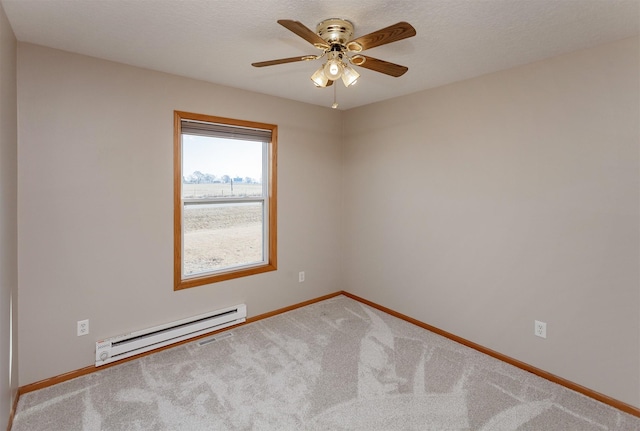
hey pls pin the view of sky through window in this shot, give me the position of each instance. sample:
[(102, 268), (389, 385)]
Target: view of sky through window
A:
[(219, 157)]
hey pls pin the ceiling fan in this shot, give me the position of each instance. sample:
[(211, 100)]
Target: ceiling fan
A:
[(334, 37)]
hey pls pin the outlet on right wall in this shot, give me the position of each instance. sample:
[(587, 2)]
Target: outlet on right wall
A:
[(481, 206)]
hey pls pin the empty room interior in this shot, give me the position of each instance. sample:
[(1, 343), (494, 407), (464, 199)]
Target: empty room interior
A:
[(495, 184)]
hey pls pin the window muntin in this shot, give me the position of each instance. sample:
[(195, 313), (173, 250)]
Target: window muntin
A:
[(224, 193)]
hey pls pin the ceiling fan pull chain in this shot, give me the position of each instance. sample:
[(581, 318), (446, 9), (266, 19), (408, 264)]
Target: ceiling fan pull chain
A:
[(335, 103)]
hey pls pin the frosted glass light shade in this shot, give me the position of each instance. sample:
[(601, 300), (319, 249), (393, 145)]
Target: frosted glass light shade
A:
[(333, 69), (319, 78), (349, 76)]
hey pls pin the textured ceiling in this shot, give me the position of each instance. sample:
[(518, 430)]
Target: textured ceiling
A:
[(217, 40)]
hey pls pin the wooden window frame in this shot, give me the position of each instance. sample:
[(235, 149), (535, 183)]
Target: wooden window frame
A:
[(271, 262)]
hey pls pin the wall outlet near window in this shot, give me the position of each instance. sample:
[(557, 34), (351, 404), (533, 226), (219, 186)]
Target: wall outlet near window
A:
[(83, 327), (540, 329), (301, 276)]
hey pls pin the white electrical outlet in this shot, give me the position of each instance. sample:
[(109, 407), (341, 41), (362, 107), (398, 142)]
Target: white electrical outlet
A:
[(83, 327), (301, 276), (540, 329)]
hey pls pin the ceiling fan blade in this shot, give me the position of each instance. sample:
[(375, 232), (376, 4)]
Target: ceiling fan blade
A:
[(382, 66), (301, 30), (393, 33), (284, 60)]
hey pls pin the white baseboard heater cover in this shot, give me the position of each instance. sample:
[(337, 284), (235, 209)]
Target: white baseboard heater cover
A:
[(123, 346)]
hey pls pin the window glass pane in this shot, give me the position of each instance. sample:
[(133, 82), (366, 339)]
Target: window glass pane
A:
[(222, 235), (220, 168), (217, 189)]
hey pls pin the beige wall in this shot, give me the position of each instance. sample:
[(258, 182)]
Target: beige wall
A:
[(8, 219), (96, 210), (483, 205)]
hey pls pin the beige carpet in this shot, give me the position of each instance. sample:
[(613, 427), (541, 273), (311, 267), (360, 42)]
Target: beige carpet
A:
[(333, 365)]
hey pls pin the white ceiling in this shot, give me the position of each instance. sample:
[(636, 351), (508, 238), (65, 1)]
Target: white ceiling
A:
[(217, 40)]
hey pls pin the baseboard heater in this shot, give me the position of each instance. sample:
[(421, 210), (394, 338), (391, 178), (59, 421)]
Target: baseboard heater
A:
[(127, 345)]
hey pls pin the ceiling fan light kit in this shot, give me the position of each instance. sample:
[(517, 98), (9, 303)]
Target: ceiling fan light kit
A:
[(334, 65), (319, 78), (349, 75), (334, 37)]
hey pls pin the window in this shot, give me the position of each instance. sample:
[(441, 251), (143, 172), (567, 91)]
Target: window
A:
[(224, 199)]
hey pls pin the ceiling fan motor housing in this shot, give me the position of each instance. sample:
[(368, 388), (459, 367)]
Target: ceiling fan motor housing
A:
[(335, 31)]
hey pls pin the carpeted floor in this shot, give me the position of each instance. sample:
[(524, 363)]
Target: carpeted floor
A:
[(333, 365)]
